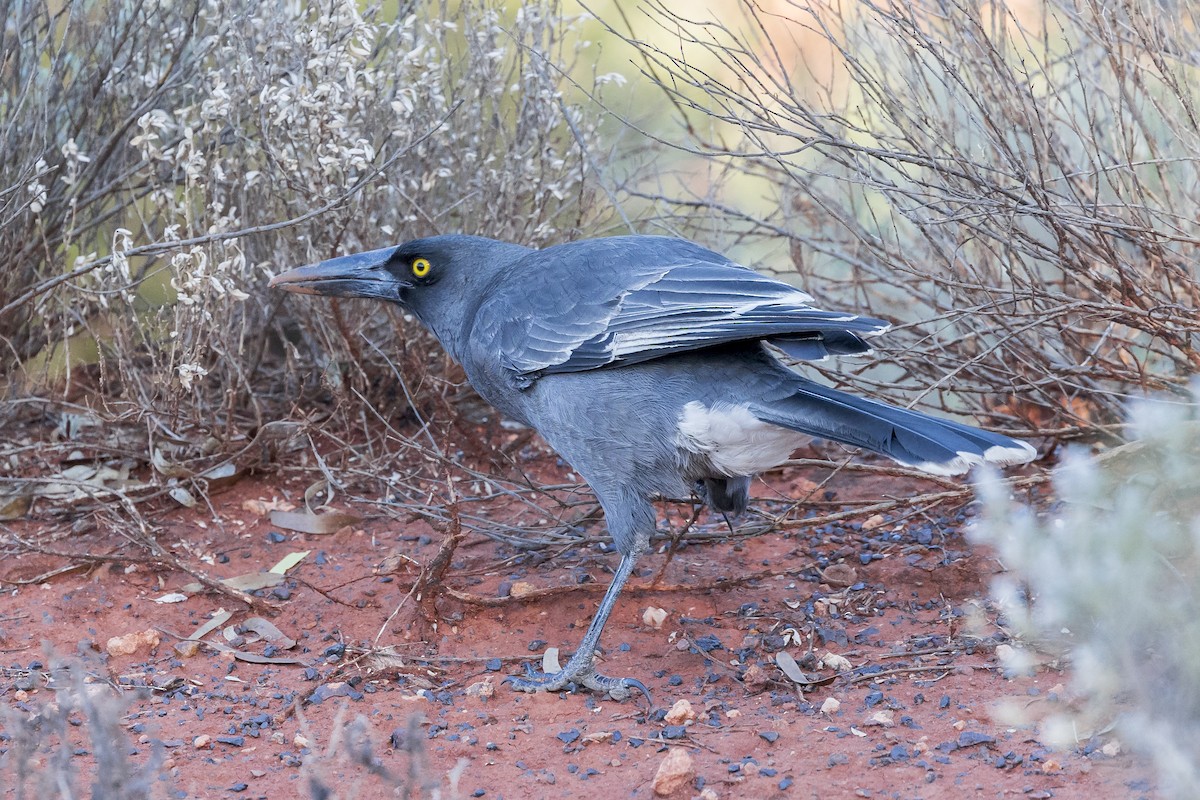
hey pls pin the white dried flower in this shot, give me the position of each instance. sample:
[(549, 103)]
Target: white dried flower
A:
[(188, 373)]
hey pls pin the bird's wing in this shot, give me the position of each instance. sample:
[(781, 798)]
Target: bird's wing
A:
[(630, 302)]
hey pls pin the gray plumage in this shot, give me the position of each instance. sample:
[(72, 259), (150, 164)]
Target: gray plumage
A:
[(642, 361)]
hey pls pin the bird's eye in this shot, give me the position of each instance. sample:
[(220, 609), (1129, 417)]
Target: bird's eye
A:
[(421, 267)]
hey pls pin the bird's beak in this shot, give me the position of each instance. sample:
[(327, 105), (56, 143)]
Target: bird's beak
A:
[(359, 275)]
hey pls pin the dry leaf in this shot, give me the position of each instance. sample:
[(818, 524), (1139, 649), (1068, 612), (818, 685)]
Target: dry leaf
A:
[(304, 522), (287, 562), (792, 670), (222, 476)]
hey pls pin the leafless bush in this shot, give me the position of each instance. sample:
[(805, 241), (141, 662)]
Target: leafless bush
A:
[(41, 740), (158, 161), (1015, 183)]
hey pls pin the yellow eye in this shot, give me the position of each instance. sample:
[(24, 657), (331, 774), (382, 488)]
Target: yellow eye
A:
[(421, 267)]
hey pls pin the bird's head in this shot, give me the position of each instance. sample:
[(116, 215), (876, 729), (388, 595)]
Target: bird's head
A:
[(439, 279)]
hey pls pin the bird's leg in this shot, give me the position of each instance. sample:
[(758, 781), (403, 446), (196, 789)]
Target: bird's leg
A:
[(581, 669)]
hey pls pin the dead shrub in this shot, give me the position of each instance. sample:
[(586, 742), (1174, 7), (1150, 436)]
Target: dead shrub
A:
[(1014, 183)]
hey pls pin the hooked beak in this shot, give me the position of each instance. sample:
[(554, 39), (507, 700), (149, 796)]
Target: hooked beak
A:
[(358, 275)]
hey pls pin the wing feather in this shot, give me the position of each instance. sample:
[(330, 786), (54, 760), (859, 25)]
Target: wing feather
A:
[(608, 302)]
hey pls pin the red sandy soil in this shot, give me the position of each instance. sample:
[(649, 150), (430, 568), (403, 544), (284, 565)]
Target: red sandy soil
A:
[(913, 622)]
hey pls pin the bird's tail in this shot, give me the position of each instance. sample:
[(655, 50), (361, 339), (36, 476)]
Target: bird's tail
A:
[(931, 444)]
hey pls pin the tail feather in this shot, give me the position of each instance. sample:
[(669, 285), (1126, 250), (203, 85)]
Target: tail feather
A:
[(933, 445)]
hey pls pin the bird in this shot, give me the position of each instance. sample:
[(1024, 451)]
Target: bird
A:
[(655, 367)]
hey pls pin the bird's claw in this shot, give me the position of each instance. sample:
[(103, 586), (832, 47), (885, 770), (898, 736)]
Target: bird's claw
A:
[(616, 688)]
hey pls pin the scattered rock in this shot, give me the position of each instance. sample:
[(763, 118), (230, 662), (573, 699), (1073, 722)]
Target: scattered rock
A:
[(674, 773), (972, 738), (680, 713), (131, 643), (202, 741), (839, 575), (836, 662), (521, 589), (187, 648), (872, 522), (654, 617), (755, 678), (830, 706), (482, 689), (882, 718)]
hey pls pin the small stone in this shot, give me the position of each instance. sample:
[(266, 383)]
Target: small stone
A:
[(839, 574), (299, 741), (674, 732), (872, 522), (675, 772), (482, 689), (566, 737), (836, 662), (654, 617), (680, 713), (972, 738), (830, 706), (521, 589), (187, 648), (708, 794), (755, 678), (882, 718), (131, 643), (768, 736), (202, 741)]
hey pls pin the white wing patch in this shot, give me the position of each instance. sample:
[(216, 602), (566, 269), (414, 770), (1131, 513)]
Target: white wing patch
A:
[(734, 440), (997, 454)]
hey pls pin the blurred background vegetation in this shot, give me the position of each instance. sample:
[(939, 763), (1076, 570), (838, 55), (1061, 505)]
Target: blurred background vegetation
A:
[(1014, 184)]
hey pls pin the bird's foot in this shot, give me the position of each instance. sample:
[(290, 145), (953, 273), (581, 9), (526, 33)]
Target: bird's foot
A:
[(578, 672)]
